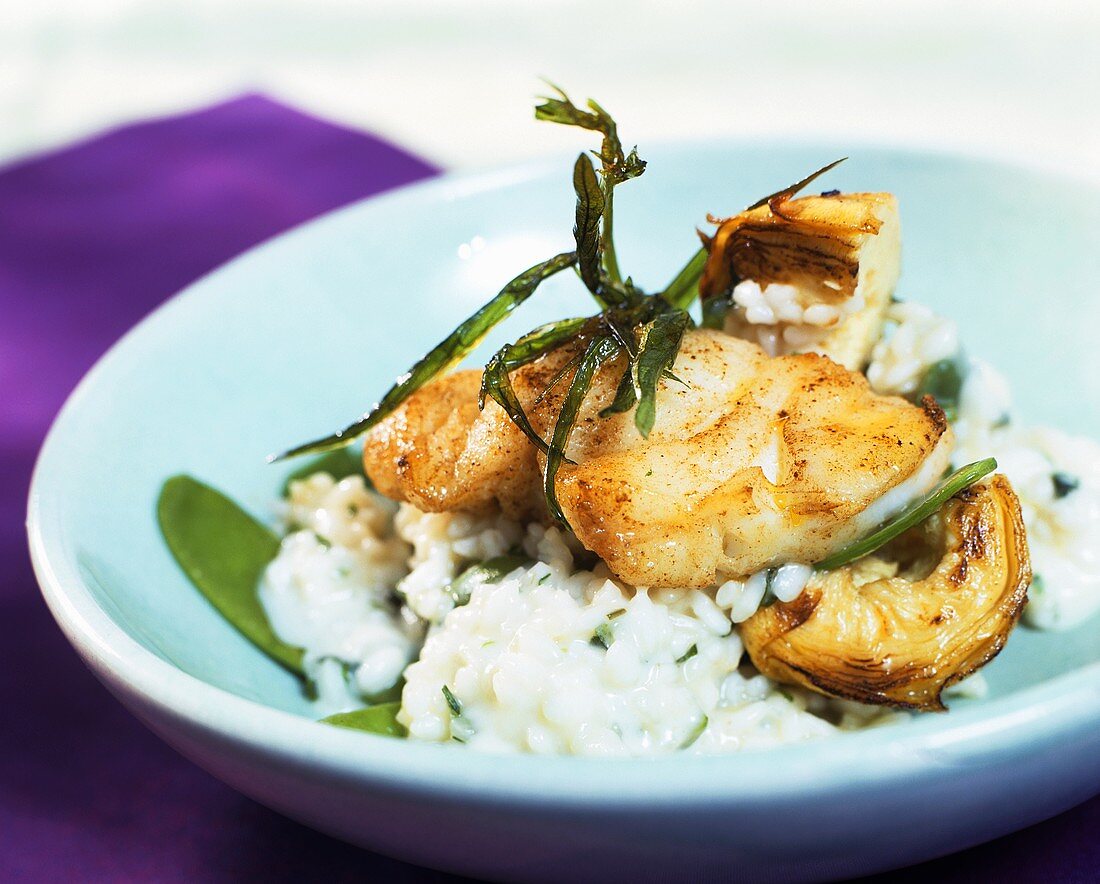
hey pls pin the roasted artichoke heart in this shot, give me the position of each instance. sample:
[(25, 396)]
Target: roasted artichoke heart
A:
[(898, 627), (841, 251)]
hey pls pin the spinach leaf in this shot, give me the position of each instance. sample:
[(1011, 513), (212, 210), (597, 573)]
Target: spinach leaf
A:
[(223, 551), (381, 719)]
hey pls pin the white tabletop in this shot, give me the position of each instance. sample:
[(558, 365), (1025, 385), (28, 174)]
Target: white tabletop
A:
[(454, 79)]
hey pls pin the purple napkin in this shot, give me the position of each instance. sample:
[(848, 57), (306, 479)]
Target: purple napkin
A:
[(93, 237)]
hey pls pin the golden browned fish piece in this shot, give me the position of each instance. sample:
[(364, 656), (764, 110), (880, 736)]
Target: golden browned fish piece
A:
[(897, 627), (441, 454), (753, 461), (756, 462), (840, 253)]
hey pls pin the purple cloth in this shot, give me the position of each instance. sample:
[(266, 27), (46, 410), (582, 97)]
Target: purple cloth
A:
[(91, 238)]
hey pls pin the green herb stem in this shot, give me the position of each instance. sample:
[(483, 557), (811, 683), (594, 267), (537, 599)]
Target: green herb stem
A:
[(913, 515), (684, 288), (445, 355), (610, 258), (496, 383)]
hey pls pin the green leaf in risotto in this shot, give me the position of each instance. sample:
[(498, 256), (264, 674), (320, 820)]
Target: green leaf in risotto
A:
[(380, 719), (452, 701), (490, 571), (696, 732), (688, 654), (223, 551), (943, 381), (1064, 484)]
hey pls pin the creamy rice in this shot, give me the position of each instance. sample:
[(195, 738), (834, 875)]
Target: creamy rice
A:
[(916, 340), (777, 318), (330, 591), (1057, 478), (444, 545), (553, 658)]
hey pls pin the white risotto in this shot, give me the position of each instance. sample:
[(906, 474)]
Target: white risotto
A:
[(557, 656), (554, 658)]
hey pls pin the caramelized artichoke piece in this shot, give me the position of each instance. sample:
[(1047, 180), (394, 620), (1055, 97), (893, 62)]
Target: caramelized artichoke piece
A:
[(842, 252), (898, 627)]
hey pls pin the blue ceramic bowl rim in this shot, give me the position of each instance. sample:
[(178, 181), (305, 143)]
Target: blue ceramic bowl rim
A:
[(1020, 724)]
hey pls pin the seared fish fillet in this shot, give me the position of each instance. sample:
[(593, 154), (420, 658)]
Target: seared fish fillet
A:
[(757, 462), (841, 253), (754, 461)]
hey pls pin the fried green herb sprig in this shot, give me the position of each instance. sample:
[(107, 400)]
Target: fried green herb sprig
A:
[(616, 166), (644, 330)]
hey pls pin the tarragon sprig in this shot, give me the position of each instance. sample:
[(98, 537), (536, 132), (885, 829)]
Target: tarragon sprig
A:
[(643, 330), (616, 166), (496, 383), (598, 351)]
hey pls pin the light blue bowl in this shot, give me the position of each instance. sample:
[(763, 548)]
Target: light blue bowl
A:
[(300, 335)]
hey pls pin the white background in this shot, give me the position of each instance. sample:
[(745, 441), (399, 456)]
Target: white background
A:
[(454, 79)]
